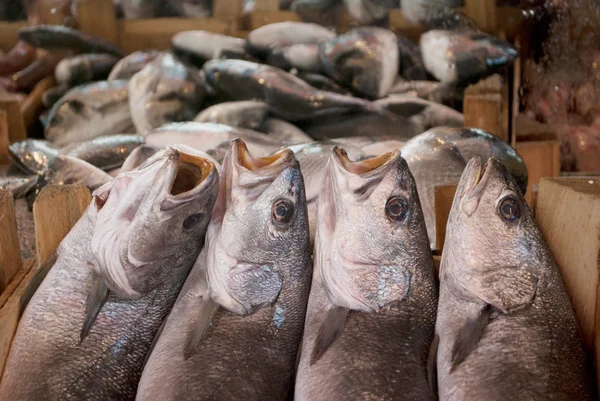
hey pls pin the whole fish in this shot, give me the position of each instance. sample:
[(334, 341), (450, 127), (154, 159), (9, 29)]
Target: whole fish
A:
[(54, 94), (410, 62), (32, 156), (42, 67), (192, 8), (198, 47), (288, 97), (114, 279), (61, 37), (239, 317), (263, 40), (365, 59), (65, 170), (436, 14), (382, 146), (84, 68), (322, 82), (506, 328), (133, 63), (422, 113), (89, 111), (166, 90), (328, 13), (433, 91), (302, 57), (106, 152), (464, 57), (245, 114), (370, 11), (138, 156), (372, 306), (433, 162), (283, 131), (19, 57)]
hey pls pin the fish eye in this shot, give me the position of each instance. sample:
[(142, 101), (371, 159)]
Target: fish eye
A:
[(76, 106), (396, 208), (509, 209), (282, 211), (192, 220)]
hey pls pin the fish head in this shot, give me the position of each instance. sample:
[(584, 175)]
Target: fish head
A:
[(151, 221), (371, 238), (258, 238), (65, 117)]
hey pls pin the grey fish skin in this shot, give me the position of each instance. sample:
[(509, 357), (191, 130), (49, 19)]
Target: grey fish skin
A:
[(257, 269), (89, 111), (430, 12), (364, 59), (288, 97), (152, 249), (165, 91), (65, 170), (245, 114), (283, 131), (373, 283), (53, 95), (322, 82), (138, 156), (106, 152), (133, 63), (18, 185), (411, 65), (84, 68), (370, 11), (51, 37), (263, 40), (32, 156), (501, 293), (300, 56), (198, 47), (433, 162)]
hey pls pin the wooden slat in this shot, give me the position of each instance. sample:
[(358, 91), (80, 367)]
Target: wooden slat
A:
[(542, 159), (515, 100), (4, 139), (399, 24), (55, 211), (31, 106), (10, 249), (443, 198), (9, 34), (227, 8), (483, 12), (485, 112), (508, 20), (16, 128), (568, 213), (97, 17), (266, 5)]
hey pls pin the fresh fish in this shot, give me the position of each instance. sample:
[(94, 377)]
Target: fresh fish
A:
[(288, 97), (32, 156), (238, 320), (434, 91), (410, 62), (51, 37), (89, 111), (382, 146), (372, 306), (245, 114), (370, 11), (328, 13), (133, 63), (283, 131), (198, 47), (19, 57), (84, 68), (433, 162), (263, 40), (422, 113), (106, 152), (138, 156), (65, 170), (166, 90), (464, 57), (322, 82), (18, 185), (114, 279), (301, 56), (503, 307), (371, 146), (142, 9), (436, 14), (54, 94), (365, 59), (192, 8), (42, 67)]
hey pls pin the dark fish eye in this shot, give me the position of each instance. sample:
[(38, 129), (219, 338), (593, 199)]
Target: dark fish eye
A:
[(282, 211), (396, 208), (509, 209), (76, 106), (192, 220)]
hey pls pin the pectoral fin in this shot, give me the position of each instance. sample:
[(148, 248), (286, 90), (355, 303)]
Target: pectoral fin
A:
[(469, 335), (96, 298), (199, 324), (330, 330)]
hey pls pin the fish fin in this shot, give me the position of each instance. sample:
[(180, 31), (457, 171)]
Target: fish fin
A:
[(330, 330), (204, 316), (97, 296), (469, 335), (36, 281), (432, 365)]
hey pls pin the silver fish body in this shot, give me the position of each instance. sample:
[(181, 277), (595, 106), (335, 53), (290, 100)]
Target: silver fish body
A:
[(18, 185), (106, 152), (32, 155), (283, 131), (266, 38), (133, 63), (138, 156), (198, 47), (65, 170), (370, 11), (84, 68), (433, 13), (301, 56), (244, 114)]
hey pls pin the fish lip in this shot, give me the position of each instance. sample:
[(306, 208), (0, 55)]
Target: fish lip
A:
[(369, 166), (478, 176), (274, 163)]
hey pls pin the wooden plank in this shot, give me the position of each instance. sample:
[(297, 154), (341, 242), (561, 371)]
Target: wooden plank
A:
[(568, 213), (266, 5), (401, 25), (10, 248), (542, 159), (97, 17), (156, 33), (515, 100), (483, 12), (485, 112), (490, 85), (260, 18), (9, 34), (16, 127), (227, 8), (4, 139), (31, 106), (508, 20), (442, 200), (55, 211)]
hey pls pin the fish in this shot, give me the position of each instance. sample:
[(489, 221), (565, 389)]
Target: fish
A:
[(464, 57), (322, 82), (263, 40), (138, 156), (54, 94), (19, 57), (433, 91), (283, 131), (300, 56), (410, 62), (244, 114), (133, 63), (380, 147), (422, 113), (91, 322), (84, 68), (433, 162), (52, 37), (166, 90), (42, 67), (372, 306), (198, 47), (503, 307), (69, 170), (89, 111), (106, 152), (239, 317), (18, 185), (192, 8), (288, 97), (370, 11), (432, 13), (142, 9), (328, 13), (364, 59), (32, 156)]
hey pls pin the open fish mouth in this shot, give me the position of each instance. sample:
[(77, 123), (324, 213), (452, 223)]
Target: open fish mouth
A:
[(364, 166), (275, 162)]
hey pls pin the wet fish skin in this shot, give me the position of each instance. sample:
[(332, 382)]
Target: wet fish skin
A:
[(284, 132), (429, 12), (373, 284), (18, 185), (198, 47), (61, 37), (263, 40), (106, 152), (502, 301), (84, 68), (251, 343), (138, 156), (133, 63), (244, 114), (370, 11), (19, 57), (301, 56), (163, 242), (322, 82), (65, 170), (53, 95), (32, 156)]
